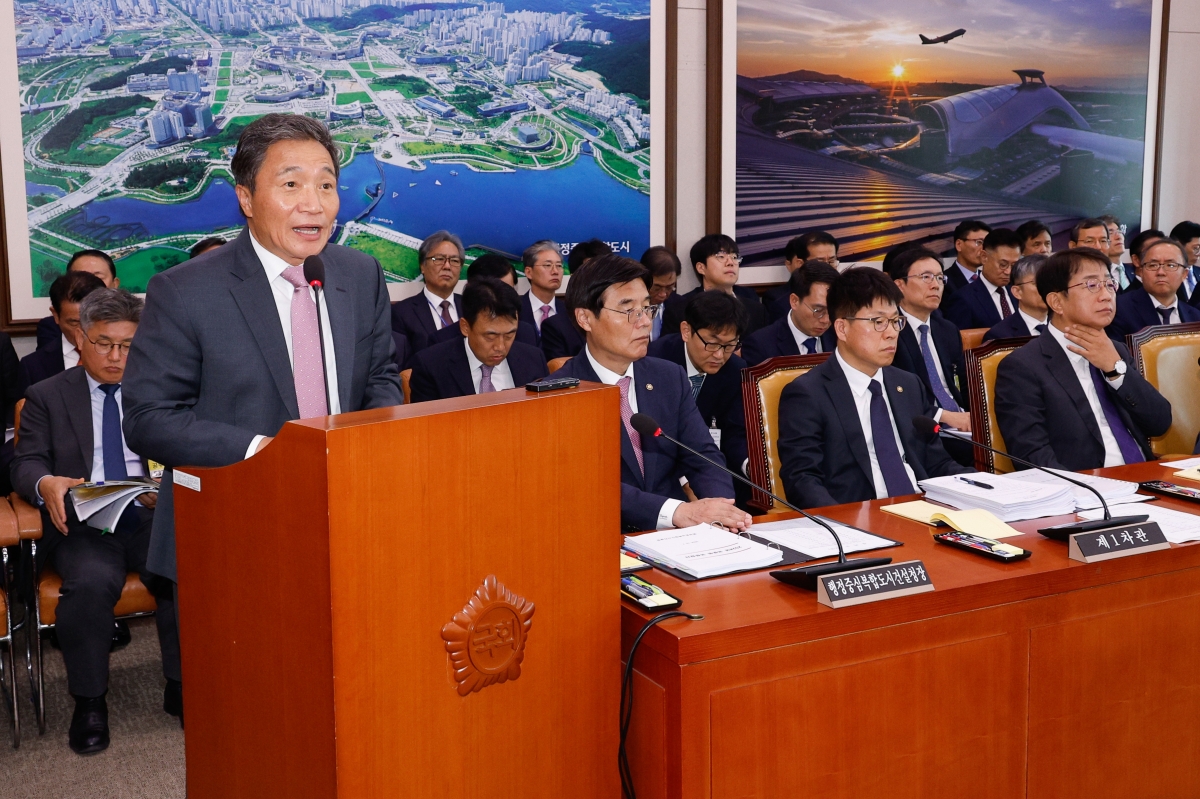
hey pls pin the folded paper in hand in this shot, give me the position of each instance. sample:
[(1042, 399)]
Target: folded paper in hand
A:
[(101, 504)]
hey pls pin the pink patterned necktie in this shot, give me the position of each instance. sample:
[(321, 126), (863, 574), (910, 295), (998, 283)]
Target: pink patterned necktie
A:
[(485, 379), (545, 311), (635, 438), (307, 369)]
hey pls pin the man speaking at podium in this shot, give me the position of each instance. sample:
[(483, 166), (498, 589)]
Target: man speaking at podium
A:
[(229, 349)]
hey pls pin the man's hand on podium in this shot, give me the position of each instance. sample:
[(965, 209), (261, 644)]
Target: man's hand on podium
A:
[(711, 511)]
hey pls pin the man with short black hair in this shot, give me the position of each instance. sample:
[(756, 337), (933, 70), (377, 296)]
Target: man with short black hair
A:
[(489, 266), (986, 302), (488, 357), (711, 331), (816, 245), (204, 245), (1188, 234), (1158, 300), (717, 264), (805, 329), (585, 251), (1030, 318), (62, 351), (544, 270), (436, 307), (95, 262), (665, 269), (845, 429), (1122, 273), (610, 301), (1072, 398), (969, 236), (1035, 238)]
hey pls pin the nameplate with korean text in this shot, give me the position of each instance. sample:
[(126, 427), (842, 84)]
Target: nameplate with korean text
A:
[(1118, 542), (872, 585)]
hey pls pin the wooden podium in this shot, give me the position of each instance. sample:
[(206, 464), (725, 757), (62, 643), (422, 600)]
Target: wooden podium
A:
[(331, 647)]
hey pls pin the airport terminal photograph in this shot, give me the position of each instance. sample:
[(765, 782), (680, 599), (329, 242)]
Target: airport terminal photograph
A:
[(350, 348)]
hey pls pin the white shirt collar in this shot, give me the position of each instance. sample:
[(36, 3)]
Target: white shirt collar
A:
[(1174, 301), (536, 304), (991, 287), (692, 371), (607, 376), (915, 323), (272, 263), (1030, 322), (1058, 336), (435, 300), (859, 382), (797, 333), (93, 383), (70, 353), (967, 271), (471, 359)]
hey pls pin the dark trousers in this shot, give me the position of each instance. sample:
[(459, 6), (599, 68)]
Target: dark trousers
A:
[(93, 567)]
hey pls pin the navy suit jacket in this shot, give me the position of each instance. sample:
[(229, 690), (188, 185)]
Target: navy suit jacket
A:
[(560, 308), (40, 364), (526, 334), (973, 307), (47, 331), (663, 392), (776, 339), (955, 281), (720, 399), (777, 302), (821, 443), (209, 367), (756, 314), (948, 342), (403, 352), (413, 318), (1135, 310), (1045, 417), (443, 370), (1012, 327), (560, 337)]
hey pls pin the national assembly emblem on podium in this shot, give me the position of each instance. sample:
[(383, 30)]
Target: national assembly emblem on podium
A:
[(486, 639)]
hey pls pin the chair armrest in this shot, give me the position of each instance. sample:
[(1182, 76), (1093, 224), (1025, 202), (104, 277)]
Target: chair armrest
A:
[(9, 531), (28, 518)]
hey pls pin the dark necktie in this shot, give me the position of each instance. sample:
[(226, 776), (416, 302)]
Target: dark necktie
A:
[(1005, 307), (113, 443), (886, 451), (1130, 450), (974, 277), (939, 391), (1040, 328), (697, 382), (446, 320), (810, 344), (1165, 313)]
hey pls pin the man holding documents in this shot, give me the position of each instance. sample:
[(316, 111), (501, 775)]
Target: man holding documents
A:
[(845, 428), (71, 433)]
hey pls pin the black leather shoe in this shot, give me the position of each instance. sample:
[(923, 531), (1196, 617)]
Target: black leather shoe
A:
[(173, 699), (89, 726), (121, 636)]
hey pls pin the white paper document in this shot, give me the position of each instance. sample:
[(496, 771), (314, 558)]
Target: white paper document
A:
[(703, 550), (1008, 498), (1114, 492), (1186, 463), (1178, 527), (813, 540)]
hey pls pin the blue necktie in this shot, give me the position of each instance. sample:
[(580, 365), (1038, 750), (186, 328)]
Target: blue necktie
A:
[(656, 328), (810, 344), (939, 391), (113, 443), (886, 452), (1040, 328), (697, 382), (1130, 451)]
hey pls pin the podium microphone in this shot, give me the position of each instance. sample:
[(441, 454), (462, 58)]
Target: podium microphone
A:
[(314, 274), (1059, 532), (803, 576)]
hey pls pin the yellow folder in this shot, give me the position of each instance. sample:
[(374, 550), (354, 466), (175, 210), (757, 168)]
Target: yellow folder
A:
[(976, 521)]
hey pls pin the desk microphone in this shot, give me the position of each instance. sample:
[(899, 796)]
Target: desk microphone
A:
[(1059, 532), (804, 576), (314, 274)]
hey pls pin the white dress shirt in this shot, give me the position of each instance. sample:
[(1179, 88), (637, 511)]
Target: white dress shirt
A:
[(1030, 322), (501, 375), (860, 388), (1176, 317), (70, 354), (537, 306), (1012, 304), (915, 324), (1112, 450), (609, 378), (282, 291), (801, 336), (435, 308)]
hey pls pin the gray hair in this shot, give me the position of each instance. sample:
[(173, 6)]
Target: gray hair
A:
[(109, 305), (1026, 268), (529, 257), (434, 239), (260, 134)]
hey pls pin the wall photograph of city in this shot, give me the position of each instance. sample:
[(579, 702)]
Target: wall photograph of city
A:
[(885, 122), (506, 122)]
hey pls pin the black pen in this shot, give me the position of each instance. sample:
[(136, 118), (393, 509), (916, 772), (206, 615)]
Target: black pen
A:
[(973, 482)]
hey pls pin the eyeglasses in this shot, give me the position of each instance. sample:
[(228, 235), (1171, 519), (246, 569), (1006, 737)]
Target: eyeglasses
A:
[(715, 346), (978, 241), (818, 311), (1094, 285), (634, 315), (105, 347), (438, 260), (548, 265), (1025, 283), (1093, 242), (728, 257), (880, 323), (830, 261), (1170, 267), (928, 278)]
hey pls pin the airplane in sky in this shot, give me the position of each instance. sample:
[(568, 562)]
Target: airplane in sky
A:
[(942, 39)]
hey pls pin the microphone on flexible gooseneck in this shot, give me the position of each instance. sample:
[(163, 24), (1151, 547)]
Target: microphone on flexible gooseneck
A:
[(804, 576), (929, 427), (314, 275)]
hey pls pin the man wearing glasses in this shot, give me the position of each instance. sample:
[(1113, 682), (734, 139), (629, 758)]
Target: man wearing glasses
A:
[(717, 265), (845, 428), (1072, 398), (1188, 234), (1032, 313), (1157, 300), (968, 249), (437, 306), (711, 330), (805, 329), (816, 245), (609, 300)]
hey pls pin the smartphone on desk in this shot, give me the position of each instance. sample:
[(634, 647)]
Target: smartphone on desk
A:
[(1172, 490), (988, 547)]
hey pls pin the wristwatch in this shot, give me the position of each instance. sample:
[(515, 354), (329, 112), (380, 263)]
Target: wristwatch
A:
[(1117, 371)]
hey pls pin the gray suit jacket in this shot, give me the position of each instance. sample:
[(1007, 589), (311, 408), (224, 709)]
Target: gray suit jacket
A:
[(209, 368)]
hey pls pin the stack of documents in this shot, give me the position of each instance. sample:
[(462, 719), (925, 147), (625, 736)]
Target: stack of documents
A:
[(1114, 492), (703, 551), (811, 539), (1006, 497), (101, 504), (1177, 526)]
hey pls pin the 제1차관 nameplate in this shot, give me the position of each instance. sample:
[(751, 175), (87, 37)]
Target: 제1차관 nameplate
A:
[(1117, 542), (872, 585)]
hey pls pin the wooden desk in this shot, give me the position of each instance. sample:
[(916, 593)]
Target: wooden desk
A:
[(1044, 678)]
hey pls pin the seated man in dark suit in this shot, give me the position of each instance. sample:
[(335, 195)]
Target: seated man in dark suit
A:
[(986, 302), (60, 352), (710, 332), (609, 299), (544, 271), (487, 357), (716, 262), (494, 267), (1122, 273), (1162, 269), (1032, 313), (805, 329), (1188, 234), (437, 306), (969, 236), (1072, 398), (71, 432), (845, 428), (665, 269), (816, 245), (1035, 238), (94, 262)]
